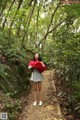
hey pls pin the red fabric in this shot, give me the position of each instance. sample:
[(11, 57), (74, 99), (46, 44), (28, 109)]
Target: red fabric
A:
[(38, 65)]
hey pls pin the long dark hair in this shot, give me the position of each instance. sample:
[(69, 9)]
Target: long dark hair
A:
[(39, 58)]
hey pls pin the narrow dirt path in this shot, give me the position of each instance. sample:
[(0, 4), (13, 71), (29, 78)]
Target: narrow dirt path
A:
[(50, 110)]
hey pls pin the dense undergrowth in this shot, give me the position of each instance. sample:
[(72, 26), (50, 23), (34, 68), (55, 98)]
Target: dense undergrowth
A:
[(65, 58), (14, 74)]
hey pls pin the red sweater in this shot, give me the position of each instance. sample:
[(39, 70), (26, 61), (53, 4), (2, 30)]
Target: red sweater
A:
[(38, 65)]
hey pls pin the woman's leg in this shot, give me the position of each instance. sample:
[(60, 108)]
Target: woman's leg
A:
[(35, 90), (40, 90)]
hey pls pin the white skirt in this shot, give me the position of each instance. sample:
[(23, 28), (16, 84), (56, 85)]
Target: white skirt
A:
[(36, 76)]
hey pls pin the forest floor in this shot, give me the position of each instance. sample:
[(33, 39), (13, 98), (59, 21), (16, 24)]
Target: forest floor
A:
[(50, 110)]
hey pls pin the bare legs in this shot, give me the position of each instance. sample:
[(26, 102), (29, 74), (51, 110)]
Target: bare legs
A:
[(35, 90), (38, 86), (40, 90)]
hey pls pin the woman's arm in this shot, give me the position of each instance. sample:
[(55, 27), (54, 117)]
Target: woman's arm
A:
[(42, 64)]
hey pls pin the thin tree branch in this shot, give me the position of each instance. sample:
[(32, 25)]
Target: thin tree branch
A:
[(50, 32), (4, 7), (56, 26), (19, 5), (30, 2), (52, 16), (28, 22), (37, 21), (3, 25)]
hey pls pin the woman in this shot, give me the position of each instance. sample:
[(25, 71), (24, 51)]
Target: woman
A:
[(36, 78)]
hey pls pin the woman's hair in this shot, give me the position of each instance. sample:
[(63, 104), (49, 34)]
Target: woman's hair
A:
[(39, 58)]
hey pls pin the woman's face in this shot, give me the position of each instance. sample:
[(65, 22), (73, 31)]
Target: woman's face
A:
[(36, 56)]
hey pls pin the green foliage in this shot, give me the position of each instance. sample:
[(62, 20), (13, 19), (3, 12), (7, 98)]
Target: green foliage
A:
[(64, 54), (13, 72), (8, 43), (73, 9), (3, 69), (12, 109)]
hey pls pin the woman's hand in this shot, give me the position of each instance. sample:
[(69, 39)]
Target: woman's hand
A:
[(29, 67), (42, 64)]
